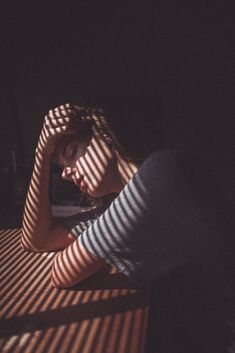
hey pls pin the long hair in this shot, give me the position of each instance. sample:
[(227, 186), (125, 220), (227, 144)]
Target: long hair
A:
[(93, 122), (96, 121)]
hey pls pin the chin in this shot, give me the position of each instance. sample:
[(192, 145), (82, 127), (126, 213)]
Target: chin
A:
[(97, 193)]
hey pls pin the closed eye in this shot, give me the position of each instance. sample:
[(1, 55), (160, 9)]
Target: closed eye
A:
[(70, 152), (73, 152)]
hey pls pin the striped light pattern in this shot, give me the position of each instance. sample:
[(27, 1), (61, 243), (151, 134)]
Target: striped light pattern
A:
[(102, 315)]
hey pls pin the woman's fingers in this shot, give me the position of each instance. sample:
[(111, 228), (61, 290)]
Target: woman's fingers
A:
[(53, 123), (58, 131), (49, 137), (62, 113), (59, 121), (66, 106), (64, 110)]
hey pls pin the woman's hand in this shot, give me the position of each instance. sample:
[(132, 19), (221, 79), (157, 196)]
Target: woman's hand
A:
[(59, 121)]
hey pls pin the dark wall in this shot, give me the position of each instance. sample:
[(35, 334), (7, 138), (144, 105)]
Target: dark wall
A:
[(177, 58)]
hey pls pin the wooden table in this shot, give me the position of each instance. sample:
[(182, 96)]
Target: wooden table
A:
[(103, 314)]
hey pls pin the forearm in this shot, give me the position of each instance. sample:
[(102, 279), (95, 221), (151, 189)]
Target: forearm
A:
[(73, 265), (39, 231), (37, 219)]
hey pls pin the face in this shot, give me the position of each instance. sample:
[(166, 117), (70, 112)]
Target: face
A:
[(91, 164)]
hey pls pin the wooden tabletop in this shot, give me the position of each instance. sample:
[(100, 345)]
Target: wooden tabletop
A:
[(105, 313)]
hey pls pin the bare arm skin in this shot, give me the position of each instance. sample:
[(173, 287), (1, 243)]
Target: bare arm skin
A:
[(73, 265), (39, 231)]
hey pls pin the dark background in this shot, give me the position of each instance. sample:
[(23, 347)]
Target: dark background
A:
[(176, 60)]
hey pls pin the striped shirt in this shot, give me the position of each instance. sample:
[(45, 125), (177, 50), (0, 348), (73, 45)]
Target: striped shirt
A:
[(168, 222)]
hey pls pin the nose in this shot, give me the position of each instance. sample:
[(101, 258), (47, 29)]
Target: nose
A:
[(68, 172)]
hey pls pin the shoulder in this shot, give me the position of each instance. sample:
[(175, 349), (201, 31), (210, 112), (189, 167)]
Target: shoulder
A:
[(168, 155), (173, 159), (166, 160), (171, 168)]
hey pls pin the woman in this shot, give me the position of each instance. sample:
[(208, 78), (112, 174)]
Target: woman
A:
[(163, 227)]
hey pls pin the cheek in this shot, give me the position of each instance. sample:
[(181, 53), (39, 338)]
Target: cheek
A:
[(94, 166), (96, 175)]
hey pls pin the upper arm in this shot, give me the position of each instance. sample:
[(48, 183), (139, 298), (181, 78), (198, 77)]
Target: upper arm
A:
[(73, 265)]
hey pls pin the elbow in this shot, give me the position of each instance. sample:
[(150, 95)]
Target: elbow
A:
[(31, 243), (32, 246), (28, 246)]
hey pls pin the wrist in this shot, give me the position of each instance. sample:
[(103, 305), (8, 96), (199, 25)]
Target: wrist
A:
[(42, 153)]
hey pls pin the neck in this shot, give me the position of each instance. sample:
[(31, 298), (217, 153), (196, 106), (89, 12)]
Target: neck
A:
[(126, 170)]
